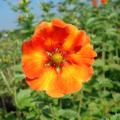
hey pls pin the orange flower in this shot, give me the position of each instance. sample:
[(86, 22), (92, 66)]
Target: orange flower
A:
[(94, 3), (58, 58), (104, 2)]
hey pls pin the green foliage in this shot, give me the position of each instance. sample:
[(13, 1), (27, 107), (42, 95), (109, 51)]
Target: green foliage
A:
[(99, 99), (23, 98)]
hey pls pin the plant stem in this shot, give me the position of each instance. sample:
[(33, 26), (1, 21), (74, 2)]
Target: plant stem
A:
[(6, 82), (80, 104)]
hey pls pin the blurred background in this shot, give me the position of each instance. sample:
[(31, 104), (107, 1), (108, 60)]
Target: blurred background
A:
[(99, 99)]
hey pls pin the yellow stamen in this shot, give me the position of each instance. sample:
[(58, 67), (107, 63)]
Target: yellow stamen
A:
[(57, 58)]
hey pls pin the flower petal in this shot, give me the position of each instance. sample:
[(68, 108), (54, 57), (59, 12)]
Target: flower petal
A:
[(82, 38), (70, 39), (50, 35), (47, 81), (78, 59), (87, 51), (43, 30), (33, 59), (42, 35), (70, 79), (84, 56), (58, 23)]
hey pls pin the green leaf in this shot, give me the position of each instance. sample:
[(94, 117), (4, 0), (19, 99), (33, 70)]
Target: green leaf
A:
[(104, 82), (116, 96), (23, 98), (67, 113)]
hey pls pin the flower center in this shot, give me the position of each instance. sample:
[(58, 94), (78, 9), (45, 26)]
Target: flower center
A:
[(57, 58)]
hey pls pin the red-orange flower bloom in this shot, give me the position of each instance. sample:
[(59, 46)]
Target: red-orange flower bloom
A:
[(94, 3), (104, 2), (58, 58)]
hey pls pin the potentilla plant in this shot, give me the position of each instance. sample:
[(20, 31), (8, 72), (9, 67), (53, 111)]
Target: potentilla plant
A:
[(58, 58)]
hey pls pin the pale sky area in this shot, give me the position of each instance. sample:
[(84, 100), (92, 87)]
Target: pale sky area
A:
[(8, 18)]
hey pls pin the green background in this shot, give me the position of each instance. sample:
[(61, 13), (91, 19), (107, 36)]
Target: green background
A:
[(99, 99)]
